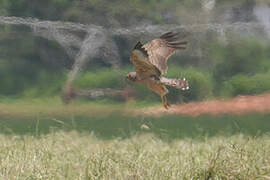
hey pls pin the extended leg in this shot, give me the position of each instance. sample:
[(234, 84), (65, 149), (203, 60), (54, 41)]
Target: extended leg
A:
[(165, 102)]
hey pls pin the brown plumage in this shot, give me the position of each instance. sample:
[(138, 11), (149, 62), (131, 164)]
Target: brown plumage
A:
[(150, 62)]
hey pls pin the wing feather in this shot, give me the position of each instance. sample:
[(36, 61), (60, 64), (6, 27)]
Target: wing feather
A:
[(143, 67), (160, 49)]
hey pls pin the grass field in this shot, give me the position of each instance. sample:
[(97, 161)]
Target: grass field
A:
[(73, 155), (47, 140)]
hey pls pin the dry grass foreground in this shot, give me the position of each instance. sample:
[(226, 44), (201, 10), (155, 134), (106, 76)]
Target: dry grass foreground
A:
[(238, 105), (73, 155)]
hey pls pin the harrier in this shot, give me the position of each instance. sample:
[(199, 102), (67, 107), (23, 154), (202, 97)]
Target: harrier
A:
[(150, 63)]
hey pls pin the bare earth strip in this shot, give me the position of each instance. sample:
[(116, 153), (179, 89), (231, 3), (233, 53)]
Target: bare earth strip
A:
[(238, 105)]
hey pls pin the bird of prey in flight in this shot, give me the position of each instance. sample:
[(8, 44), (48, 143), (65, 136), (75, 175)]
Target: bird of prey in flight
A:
[(150, 63)]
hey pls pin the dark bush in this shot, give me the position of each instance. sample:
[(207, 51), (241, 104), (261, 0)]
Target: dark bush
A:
[(241, 84), (238, 57)]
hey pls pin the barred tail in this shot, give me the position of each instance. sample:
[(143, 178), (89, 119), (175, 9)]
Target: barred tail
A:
[(176, 83)]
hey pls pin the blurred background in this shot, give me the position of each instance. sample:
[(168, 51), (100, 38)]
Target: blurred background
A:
[(46, 44), (81, 49), (67, 112)]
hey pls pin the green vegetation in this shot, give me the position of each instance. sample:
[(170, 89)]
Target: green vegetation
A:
[(38, 68), (73, 155), (242, 67), (201, 83), (42, 138), (34, 67), (49, 140), (110, 120), (241, 84), (241, 56), (102, 78)]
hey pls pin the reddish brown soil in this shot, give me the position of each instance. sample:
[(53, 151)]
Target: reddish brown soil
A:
[(237, 105)]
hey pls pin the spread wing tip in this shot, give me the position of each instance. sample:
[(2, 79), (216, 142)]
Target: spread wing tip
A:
[(175, 40), (167, 35), (171, 34), (178, 45)]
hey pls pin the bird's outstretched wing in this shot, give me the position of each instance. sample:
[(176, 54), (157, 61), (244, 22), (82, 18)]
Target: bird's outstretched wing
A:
[(143, 67), (160, 49)]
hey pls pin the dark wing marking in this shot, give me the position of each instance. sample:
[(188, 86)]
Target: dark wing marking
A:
[(139, 47), (143, 67)]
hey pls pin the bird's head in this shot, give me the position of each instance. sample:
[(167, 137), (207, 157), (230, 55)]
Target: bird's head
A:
[(131, 76)]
